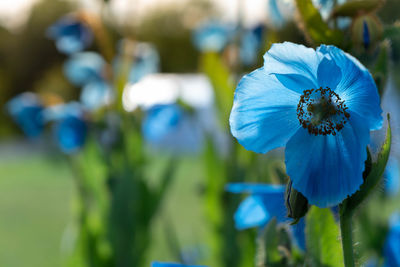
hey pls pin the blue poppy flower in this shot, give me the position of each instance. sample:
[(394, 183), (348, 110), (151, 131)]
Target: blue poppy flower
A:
[(26, 110), (321, 104), (171, 128), (264, 203), (250, 45), (70, 35), (96, 94), (392, 243), (85, 67), (212, 36), (166, 264), (70, 133), (392, 177)]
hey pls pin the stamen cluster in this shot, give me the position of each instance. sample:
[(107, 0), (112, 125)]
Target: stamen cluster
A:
[(321, 111)]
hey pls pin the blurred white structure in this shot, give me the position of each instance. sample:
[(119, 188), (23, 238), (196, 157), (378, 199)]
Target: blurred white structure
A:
[(155, 89)]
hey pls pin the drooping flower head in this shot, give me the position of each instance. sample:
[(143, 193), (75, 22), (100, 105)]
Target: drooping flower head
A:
[(321, 104), (264, 202), (26, 110), (70, 35)]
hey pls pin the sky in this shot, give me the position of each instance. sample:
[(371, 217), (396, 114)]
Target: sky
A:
[(13, 13)]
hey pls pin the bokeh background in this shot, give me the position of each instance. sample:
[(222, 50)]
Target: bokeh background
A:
[(38, 199)]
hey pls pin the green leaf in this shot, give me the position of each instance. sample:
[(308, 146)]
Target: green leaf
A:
[(322, 238), (221, 80), (315, 27), (375, 175), (356, 7)]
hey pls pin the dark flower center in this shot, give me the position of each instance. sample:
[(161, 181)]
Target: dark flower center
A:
[(321, 111)]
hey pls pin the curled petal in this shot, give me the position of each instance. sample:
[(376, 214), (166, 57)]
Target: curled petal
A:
[(290, 58)]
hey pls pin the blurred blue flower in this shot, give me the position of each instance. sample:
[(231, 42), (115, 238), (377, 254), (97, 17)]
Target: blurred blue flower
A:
[(144, 58), (85, 67), (251, 43), (70, 35), (213, 36), (171, 128), (96, 94), (392, 177), (392, 243), (263, 203), (166, 264), (147, 61), (26, 110), (70, 133), (322, 105)]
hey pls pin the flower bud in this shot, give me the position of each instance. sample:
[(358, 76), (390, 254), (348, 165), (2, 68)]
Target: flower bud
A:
[(366, 31), (296, 204)]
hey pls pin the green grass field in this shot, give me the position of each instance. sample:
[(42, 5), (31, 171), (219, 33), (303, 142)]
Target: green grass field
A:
[(36, 191)]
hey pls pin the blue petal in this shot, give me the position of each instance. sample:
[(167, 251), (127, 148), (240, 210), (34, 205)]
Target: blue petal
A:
[(290, 58), (266, 201), (252, 188), (329, 74), (251, 213), (263, 115), (168, 264), (327, 169), (357, 87)]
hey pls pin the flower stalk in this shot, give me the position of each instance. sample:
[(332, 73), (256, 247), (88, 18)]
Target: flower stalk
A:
[(347, 237)]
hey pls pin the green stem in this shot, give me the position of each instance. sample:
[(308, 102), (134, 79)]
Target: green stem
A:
[(347, 239)]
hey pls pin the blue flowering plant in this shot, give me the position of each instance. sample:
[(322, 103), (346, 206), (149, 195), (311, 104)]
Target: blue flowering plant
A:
[(101, 140), (321, 105)]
